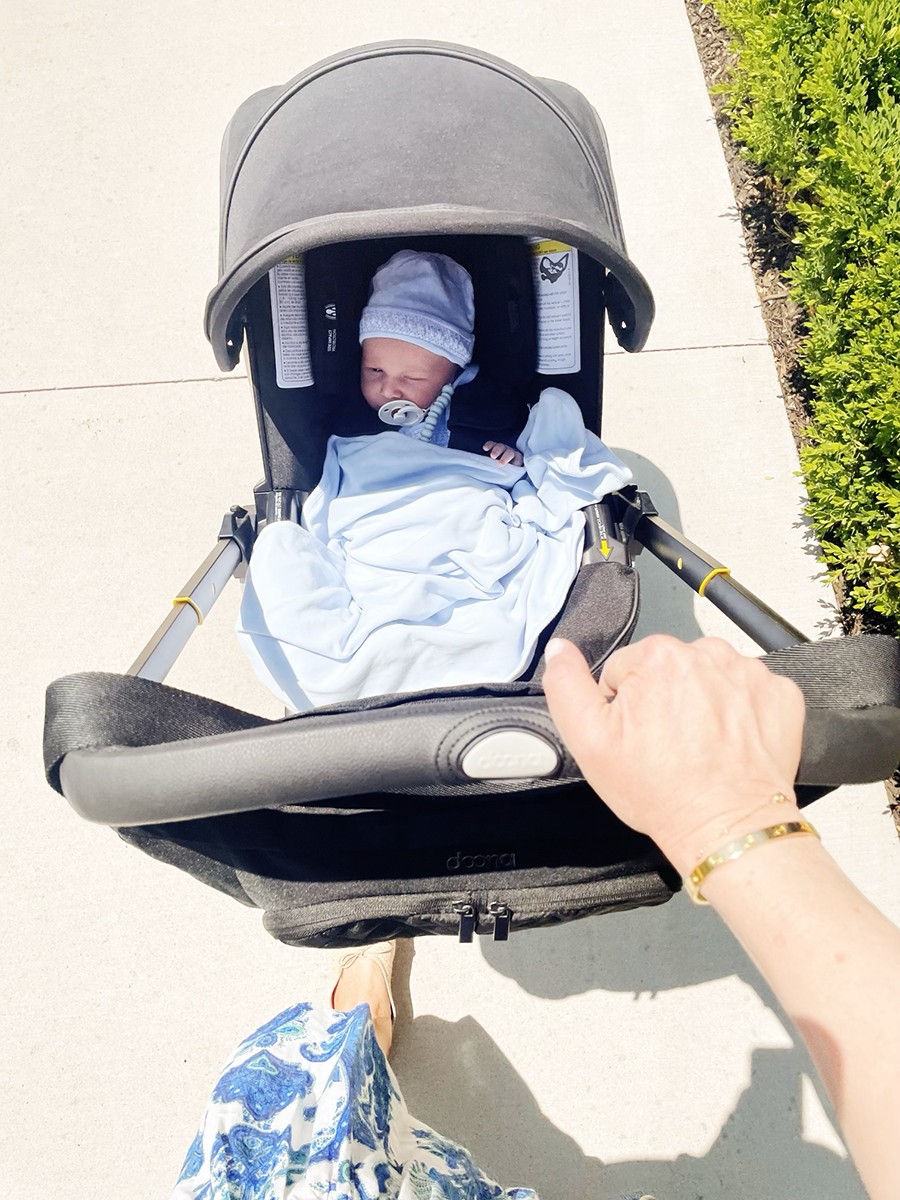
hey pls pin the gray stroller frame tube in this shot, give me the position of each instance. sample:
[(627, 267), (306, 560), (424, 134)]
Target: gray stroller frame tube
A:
[(704, 574), (189, 608), (711, 579)]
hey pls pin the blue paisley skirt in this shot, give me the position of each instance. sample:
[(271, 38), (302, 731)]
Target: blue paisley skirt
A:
[(309, 1107)]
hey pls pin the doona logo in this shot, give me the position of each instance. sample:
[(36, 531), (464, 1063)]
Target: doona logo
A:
[(480, 862)]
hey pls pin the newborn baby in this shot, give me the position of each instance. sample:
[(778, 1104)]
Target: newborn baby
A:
[(417, 340), (418, 564)]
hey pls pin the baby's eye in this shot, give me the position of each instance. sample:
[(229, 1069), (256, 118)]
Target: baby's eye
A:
[(374, 370)]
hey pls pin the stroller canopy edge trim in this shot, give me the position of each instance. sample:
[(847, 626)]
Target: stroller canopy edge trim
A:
[(224, 300), (534, 84)]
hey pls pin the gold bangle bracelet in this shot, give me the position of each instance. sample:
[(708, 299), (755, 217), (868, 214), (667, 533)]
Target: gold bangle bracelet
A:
[(735, 849), (778, 798)]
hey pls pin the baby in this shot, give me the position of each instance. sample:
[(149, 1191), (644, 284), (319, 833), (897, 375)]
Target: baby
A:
[(420, 570), (417, 337)]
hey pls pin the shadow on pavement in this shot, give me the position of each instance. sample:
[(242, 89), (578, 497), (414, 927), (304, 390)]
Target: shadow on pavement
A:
[(667, 604), (455, 1079)]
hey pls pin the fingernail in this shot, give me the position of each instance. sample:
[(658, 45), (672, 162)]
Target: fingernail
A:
[(554, 647)]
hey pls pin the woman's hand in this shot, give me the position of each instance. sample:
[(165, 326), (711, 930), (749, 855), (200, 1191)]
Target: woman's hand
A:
[(686, 743), (504, 454)]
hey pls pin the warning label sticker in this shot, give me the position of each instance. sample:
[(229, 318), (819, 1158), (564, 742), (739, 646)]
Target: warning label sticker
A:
[(287, 290), (555, 270)]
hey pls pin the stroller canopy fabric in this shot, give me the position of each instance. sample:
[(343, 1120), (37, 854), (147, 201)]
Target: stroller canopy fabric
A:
[(415, 138)]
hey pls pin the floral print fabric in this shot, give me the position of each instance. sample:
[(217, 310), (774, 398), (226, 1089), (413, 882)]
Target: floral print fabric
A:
[(308, 1107)]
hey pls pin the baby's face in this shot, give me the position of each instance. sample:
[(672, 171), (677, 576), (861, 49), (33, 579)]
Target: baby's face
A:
[(395, 370)]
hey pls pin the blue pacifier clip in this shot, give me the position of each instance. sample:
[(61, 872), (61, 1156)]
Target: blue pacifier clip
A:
[(404, 412), (434, 413)]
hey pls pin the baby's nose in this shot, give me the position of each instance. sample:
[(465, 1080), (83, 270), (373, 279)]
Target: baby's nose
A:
[(391, 390)]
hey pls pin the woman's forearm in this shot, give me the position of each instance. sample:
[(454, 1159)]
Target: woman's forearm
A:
[(697, 746), (833, 960)]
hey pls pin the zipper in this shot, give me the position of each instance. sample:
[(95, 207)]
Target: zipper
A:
[(320, 923), (502, 917), (468, 919)]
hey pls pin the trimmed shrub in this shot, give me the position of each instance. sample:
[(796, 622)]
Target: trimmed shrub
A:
[(815, 98)]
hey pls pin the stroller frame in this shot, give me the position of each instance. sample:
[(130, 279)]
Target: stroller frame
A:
[(618, 529), (182, 777)]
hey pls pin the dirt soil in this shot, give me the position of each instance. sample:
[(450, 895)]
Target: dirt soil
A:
[(768, 228), (768, 232)]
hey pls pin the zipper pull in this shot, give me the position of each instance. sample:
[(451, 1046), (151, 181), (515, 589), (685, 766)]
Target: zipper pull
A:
[(467, 918), (502, 916)]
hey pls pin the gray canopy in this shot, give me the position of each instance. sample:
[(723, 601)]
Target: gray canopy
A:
[(407, 138)]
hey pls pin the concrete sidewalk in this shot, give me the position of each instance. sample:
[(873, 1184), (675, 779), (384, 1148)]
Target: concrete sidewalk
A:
[(619, 1053)]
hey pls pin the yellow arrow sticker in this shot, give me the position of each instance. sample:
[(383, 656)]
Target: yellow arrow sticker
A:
[(605, 548)]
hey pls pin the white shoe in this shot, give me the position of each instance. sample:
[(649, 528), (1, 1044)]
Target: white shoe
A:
[(381, 954)]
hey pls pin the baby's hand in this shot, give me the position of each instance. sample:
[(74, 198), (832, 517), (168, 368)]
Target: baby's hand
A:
[(504, 454)]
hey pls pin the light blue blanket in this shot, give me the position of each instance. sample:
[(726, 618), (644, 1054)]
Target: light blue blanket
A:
[(419, 566)]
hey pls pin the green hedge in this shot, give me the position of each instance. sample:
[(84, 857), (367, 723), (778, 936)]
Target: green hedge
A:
[(815, 98)]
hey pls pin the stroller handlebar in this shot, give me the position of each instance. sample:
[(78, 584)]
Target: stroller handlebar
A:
[(127, 751)]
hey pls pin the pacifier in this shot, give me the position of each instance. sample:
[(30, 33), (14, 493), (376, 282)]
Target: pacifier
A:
[(401, 412)]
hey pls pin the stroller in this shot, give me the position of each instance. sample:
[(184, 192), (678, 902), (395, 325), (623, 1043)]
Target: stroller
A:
[(456, 810)]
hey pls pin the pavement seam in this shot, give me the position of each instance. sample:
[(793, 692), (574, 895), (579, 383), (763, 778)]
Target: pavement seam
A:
[(762, 344), (93, 387)]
